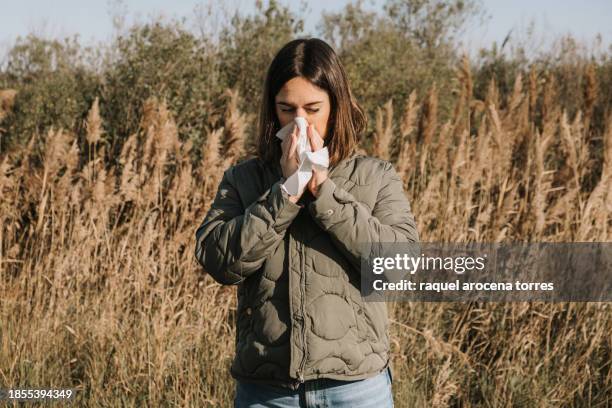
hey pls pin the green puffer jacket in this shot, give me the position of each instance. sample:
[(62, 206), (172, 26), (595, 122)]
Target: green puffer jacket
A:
[(300, 314)]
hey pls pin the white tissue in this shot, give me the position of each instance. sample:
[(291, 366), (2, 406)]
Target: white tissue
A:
[(296, 183)]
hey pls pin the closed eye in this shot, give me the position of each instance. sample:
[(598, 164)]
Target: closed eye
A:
[(310, 110)]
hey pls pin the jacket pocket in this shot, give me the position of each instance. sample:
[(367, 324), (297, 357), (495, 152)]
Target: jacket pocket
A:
[(377, 320), (359, 313), (364, 329), (371, 317)]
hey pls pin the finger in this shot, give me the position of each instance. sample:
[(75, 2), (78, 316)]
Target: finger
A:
[(295, 131), (318, 138), (287, 140), (310, 134), (315, 139), (284, 145)]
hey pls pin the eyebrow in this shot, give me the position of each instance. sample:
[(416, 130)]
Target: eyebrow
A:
[(308, 104)]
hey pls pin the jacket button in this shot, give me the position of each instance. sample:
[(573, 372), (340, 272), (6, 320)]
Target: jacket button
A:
[(329, 212), (360, 311), (270, 208), (249, 311)]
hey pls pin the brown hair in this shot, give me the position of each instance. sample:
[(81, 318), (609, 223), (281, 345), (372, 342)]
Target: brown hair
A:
[(314, 60)]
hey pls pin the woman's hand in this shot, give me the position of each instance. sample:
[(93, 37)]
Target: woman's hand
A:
[(289, 160), (319, 174)]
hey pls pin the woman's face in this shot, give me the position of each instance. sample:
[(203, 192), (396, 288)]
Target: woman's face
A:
[(299, 97)]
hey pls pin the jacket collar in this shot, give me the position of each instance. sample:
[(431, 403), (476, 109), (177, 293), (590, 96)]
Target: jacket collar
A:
[(343, 163)]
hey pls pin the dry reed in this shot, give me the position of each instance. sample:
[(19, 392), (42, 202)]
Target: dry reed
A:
[(100, 289)]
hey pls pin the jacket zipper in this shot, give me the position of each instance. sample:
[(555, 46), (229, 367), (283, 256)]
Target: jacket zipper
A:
[(303, 317)]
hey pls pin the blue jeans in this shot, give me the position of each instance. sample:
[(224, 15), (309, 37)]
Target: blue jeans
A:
[(374, 392)]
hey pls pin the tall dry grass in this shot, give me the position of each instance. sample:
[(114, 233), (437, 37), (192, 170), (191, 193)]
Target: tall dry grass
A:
[(101, 291)]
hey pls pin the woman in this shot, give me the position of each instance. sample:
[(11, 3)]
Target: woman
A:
[(304, 334)]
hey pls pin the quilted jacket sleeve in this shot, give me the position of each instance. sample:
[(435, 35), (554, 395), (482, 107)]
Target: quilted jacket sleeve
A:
[(233, 242), (356, 230)]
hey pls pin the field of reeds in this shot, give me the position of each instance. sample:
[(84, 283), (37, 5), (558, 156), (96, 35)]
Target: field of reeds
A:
[(100, 290)]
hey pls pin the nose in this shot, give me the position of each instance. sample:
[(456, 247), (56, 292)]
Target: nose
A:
[(303, 113)]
